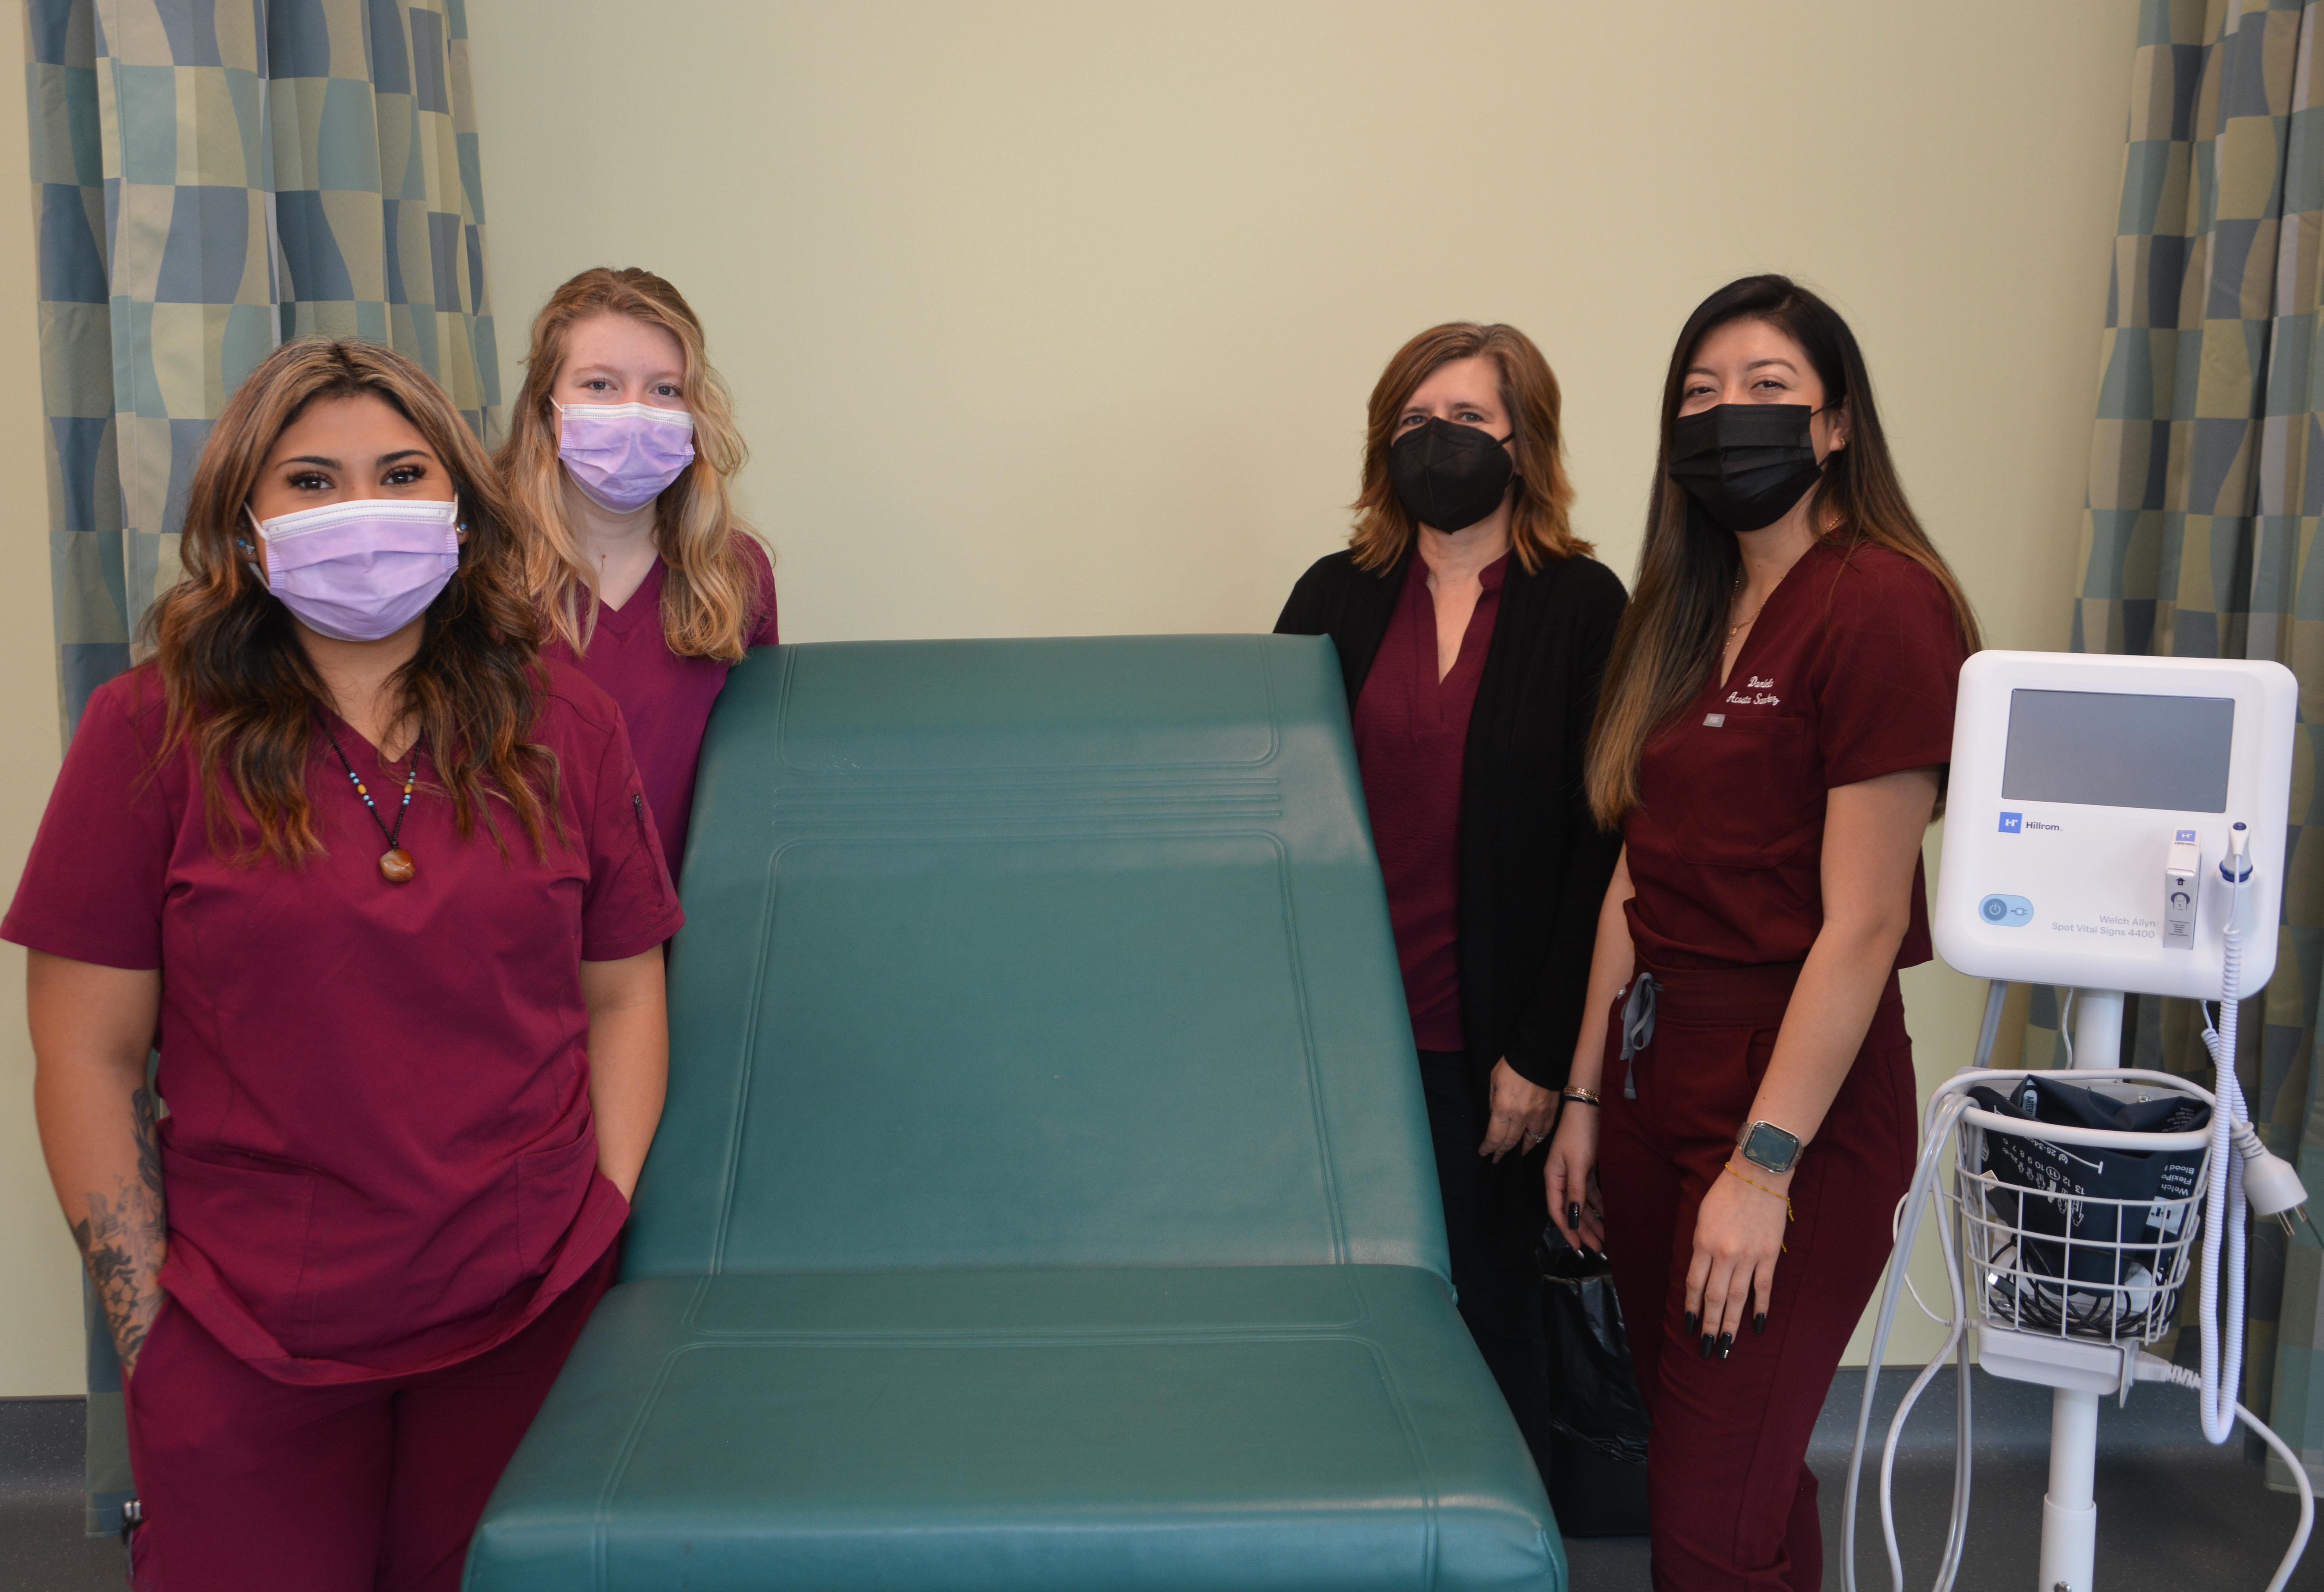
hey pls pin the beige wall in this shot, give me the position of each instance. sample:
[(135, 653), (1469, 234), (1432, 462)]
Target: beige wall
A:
[(1060, 317), (40, 1274)]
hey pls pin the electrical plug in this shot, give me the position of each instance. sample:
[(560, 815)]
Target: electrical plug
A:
[(2271, 1187), (2149, 1367)]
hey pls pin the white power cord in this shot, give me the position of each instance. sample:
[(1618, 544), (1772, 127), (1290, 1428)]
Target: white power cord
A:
[(1926, 1194), (2150, 1368)]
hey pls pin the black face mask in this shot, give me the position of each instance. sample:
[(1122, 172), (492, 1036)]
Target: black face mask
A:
[(1447, 477), (1745, 463)]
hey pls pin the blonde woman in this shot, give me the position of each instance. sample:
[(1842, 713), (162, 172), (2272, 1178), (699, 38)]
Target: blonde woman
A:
[(618, 457)]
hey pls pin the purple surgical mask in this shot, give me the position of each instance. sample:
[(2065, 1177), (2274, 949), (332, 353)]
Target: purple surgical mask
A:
[(361, 570), (623, 455)]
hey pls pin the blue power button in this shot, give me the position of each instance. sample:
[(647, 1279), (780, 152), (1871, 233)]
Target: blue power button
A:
[(2005, 912)]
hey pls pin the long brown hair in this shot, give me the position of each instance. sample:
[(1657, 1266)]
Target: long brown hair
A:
[(1676, 627), (710, 596), (1540, 527), (239, 685)]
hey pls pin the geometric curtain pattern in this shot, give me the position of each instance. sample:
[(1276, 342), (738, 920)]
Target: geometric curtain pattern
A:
[(211, 177), (2199, 537)]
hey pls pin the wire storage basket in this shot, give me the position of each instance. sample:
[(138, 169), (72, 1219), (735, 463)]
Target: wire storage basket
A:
[(2071, 1230)]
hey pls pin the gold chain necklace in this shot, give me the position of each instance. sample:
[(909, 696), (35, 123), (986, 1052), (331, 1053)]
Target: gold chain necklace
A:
[(1734, 593)]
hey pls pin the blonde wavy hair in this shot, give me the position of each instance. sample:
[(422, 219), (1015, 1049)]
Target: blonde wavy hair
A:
[(710, 596)]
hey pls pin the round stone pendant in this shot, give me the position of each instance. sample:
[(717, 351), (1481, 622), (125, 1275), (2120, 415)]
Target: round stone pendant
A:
[(397, 865)]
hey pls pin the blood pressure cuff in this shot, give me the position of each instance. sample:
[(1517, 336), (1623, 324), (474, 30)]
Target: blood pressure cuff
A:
[(2073, 1175)]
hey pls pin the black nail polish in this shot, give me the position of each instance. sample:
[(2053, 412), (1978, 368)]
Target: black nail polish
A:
[(1726, 1344), (1573, 1215), (1706, 1345), (1693, 1321), (1759, 1323)]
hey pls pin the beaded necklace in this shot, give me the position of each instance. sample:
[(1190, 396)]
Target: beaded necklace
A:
[(395, 862)]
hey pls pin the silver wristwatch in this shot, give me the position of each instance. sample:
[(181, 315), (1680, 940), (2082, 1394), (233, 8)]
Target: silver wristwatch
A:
[(1769, 1148)]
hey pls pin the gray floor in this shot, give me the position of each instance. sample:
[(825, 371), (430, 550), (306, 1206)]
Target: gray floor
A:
[(2174, 1511), (42, 1548)]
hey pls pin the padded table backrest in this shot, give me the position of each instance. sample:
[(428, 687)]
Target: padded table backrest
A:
[(1061, 952)]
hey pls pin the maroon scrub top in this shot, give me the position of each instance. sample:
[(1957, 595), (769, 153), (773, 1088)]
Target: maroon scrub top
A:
[(1848, 674), (1412, 732), (379, 1155), (665, 698)]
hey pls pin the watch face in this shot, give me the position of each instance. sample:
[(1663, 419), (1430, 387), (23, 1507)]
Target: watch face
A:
[(1771, 1147)]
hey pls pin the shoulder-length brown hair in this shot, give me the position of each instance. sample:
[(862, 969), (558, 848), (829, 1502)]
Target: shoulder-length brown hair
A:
[(1540, 527), (710, 595), (1673, 633), (239, 685)]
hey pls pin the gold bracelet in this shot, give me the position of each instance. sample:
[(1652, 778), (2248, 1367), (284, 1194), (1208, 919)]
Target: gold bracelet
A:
[(1587, 1096), (1789, 1215)]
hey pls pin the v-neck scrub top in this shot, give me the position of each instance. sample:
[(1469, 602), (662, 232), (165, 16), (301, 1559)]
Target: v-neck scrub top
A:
[(665, 698), (1411, 734), (379, 1156), (1849, 673)]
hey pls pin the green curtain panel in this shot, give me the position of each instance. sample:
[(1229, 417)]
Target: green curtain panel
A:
[(210, 178), (2200, 538)]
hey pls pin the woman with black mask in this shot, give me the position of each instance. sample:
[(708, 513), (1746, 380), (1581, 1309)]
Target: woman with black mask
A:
[(1771, 743), (1473, 628)]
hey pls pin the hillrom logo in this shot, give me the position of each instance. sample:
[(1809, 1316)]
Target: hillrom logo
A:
[(2013, 823)]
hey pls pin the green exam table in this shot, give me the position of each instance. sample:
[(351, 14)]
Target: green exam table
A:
[(1043, 1198)]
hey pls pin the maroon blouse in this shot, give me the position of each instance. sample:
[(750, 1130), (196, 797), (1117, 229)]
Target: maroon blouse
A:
[(1412, 732)]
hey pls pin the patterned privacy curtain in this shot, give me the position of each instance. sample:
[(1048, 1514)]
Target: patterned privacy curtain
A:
[(2199, 540), (209, 178)]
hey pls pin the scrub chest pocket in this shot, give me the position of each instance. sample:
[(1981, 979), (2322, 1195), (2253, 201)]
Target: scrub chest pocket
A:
[(1750, 797)]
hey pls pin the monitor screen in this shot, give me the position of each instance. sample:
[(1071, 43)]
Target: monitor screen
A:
[(2113, 749)]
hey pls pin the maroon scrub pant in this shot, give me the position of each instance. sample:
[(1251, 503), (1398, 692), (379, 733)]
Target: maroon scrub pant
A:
[(1733, 1503), (374, 1486)]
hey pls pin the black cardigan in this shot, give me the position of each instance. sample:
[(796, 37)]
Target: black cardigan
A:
[(1533, 864)]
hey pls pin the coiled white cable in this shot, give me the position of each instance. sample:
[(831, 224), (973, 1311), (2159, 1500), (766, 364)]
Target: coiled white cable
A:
[(2223, 1352)]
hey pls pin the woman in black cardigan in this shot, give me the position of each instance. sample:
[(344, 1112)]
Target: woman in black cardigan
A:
[(1473, 629)]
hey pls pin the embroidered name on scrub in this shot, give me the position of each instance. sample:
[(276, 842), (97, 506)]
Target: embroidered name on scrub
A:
[(1756, 693)]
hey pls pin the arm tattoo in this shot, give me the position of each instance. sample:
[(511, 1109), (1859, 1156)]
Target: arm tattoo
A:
[(122, 1237)]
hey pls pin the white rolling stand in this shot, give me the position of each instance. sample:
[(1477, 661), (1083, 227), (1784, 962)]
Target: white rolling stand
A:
[(2113, 824)]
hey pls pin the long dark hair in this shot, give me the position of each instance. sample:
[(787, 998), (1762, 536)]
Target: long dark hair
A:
[(1676, 627), (1541, 525), (239, 685)]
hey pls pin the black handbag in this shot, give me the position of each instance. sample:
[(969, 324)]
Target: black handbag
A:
[(1598, 1472)]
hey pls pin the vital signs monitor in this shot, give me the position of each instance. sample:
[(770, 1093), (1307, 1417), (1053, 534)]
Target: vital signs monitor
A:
[(2113, 824), (2090, 802)]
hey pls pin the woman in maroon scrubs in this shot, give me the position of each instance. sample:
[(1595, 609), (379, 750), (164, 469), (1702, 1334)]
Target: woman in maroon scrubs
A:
[(1473, 628), (380, 887), (1772, 742), (620, 453)]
